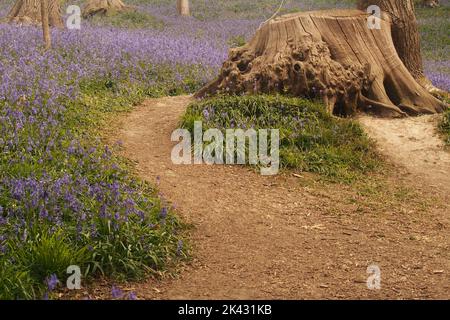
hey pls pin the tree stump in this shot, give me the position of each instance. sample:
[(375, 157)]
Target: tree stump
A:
[(332, 55), (405, 34), (105, 7), (28, 12)]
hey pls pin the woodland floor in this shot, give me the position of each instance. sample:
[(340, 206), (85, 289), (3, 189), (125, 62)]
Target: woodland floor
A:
[(415, 144), (296, 237)]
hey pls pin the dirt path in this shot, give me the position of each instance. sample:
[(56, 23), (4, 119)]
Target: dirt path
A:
[(276, 237), (414, 144)]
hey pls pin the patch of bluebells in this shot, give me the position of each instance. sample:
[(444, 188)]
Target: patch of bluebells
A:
[(439, 73), (52, 177), (117, 294)]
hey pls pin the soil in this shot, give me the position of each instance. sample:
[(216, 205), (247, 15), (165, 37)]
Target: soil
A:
[(415, 144), (292, 236)]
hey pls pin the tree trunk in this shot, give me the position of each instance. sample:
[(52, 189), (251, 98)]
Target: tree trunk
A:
[(331, 55), (45, 25), (29, 12), (183, 8), (405, 33), (105, 7)]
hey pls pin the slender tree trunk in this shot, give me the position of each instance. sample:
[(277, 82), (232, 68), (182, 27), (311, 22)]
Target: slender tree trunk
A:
[(405, 32), (183, 8), (45, 24)]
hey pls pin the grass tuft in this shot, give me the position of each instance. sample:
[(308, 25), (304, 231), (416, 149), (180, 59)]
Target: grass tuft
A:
[(445, 126), (310, 139), (129, 19)]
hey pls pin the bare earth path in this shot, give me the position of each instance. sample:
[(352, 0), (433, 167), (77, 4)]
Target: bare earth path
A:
[(415, 144), (276, 237)]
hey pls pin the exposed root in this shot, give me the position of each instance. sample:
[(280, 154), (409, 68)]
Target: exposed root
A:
[(331, 55)]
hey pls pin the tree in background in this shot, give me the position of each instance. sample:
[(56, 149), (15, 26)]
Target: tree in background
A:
[(105, 7), (29, 12), (183, 7), (45, 24)]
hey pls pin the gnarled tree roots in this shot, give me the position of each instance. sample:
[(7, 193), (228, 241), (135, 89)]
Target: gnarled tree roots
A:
[(105, 7), (332, 55)]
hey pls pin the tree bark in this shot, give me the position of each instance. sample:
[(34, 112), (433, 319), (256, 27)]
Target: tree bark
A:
[(45, 24), (405, 33), (29, 12), (331, 55), (105, 7), (183, 8)]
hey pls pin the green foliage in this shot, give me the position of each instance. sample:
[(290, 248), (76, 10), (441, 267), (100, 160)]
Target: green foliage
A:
[(44, 254), (434, 27), (445, 126), (102, 98), (311, 139), (15, 282), (129, 19), (138, 248), (237, 41)]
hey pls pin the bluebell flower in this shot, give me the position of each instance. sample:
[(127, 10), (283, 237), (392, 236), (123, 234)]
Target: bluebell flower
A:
[(179, 247), (132, 296), (116, 292), (163, 213), (52, 282)]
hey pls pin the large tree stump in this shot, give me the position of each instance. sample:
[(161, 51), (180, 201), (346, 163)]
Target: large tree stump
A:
[(405, 34), (105, 7), (28, 12), (332, 55)]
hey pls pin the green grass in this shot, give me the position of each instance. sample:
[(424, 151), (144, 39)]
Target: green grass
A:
[(434, 27), (129, 19), (50, 254), (138, 249), (310, 139), (445, 126)]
